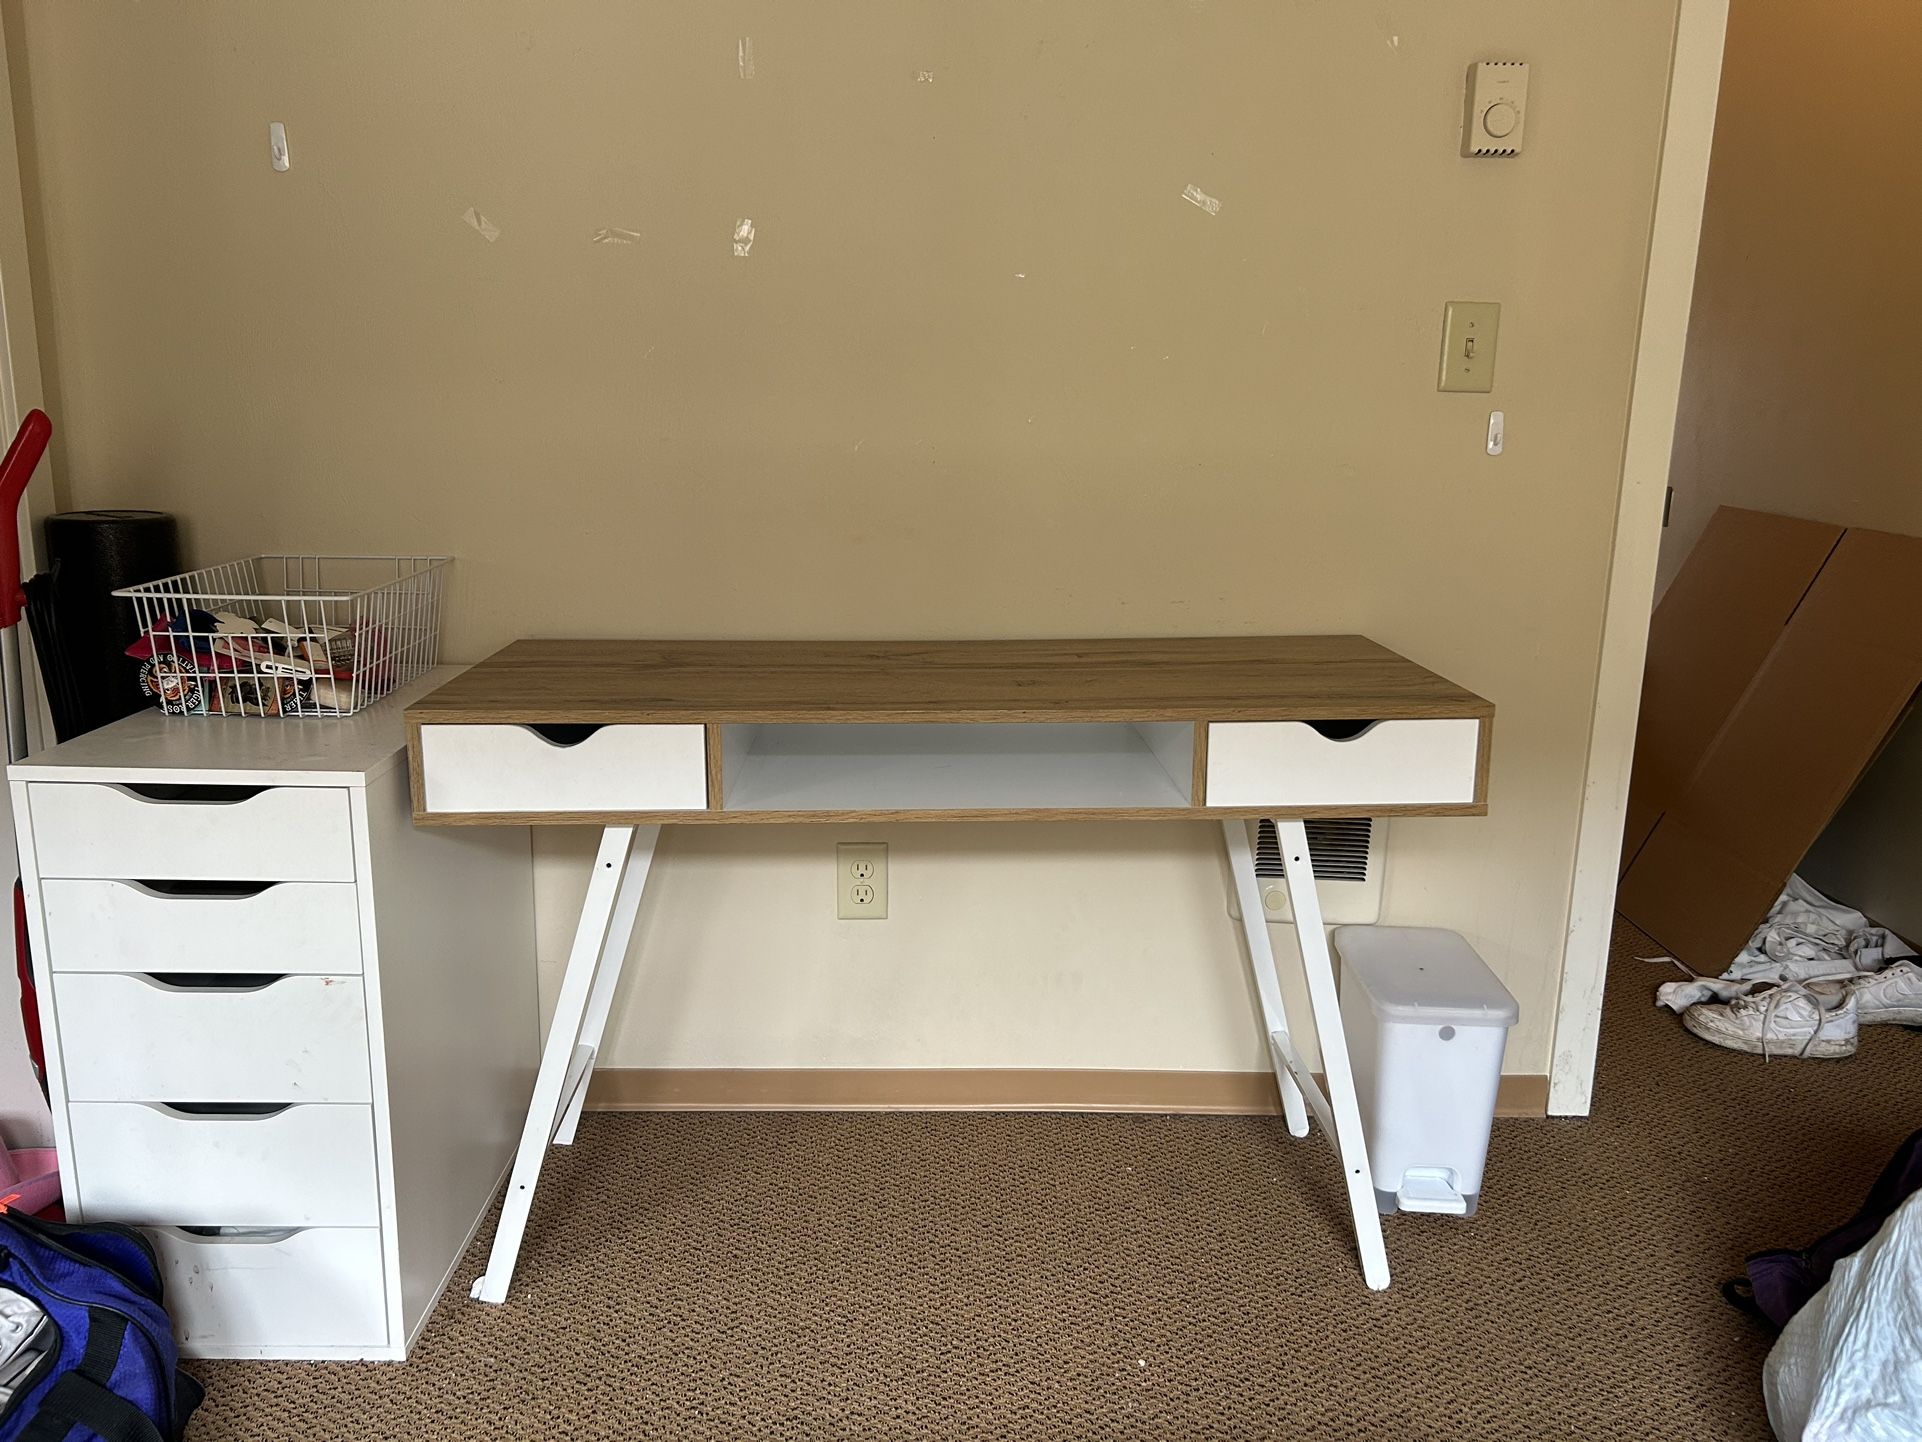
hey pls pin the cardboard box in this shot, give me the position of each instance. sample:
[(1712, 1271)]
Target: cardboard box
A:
[(1709, 636), (1780, 662)]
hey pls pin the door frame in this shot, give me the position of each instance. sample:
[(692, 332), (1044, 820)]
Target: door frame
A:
[(1695, 75)]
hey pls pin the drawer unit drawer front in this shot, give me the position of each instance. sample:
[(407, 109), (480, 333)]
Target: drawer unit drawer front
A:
[(133, 1038), (317, 1287), (1391, 763), (285, 833), (514, 769), (289, 926), (306, 1166)]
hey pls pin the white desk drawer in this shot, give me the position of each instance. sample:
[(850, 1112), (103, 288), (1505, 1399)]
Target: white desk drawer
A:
[(133, 1038), (513, 768), (288, 926), (306, 1166), (285, 833), (1391, 763), (317, 1287)]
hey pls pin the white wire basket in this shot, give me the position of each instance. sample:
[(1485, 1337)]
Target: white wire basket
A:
[(288, 635)]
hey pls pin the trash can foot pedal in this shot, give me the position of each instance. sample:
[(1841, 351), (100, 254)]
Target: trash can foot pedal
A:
[(1423, 1190)]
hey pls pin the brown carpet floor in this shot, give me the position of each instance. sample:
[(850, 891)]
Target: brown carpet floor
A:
[(980, 1276)]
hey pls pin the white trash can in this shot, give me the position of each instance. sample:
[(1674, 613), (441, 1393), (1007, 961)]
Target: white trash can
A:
[(1426, 1022)]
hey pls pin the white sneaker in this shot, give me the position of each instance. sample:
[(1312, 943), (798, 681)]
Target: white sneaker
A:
[(1893, 994), (1793, 1019)]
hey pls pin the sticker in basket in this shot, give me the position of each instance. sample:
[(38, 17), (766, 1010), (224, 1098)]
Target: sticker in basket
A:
[(261, 695), (173, 686)]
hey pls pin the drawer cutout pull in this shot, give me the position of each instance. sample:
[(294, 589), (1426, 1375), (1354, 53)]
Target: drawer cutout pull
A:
[(204, 890), (1342, 730), (192, 793), (211, 980), (562, 734), (221, 1111), (227, 1236)]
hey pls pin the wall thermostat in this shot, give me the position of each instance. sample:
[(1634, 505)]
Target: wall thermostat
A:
[(1497, 108)]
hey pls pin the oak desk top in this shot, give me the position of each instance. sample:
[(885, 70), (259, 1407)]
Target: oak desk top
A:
[(644, 732), (1216, 678)]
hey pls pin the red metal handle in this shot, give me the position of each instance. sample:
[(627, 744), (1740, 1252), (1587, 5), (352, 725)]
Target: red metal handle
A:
[(16, 469)]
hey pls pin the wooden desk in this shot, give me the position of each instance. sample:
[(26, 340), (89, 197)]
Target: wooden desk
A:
[(631, 735)]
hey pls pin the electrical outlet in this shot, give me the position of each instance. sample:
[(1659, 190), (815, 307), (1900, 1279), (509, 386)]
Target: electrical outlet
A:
[(861, 880)]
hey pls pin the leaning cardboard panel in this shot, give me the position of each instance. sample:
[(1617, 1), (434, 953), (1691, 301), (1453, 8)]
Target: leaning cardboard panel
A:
[(1819, 708), (1709, 636)]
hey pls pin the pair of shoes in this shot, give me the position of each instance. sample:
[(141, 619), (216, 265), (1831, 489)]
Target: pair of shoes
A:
[(1814, 1018)]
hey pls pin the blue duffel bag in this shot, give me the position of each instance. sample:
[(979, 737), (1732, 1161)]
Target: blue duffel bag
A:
[(86, 1350)]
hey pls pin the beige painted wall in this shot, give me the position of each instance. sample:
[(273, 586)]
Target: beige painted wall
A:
[(984, 373), (1803, 361)]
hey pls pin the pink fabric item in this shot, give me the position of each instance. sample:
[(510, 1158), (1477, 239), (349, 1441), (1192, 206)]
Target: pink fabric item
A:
[(29, 1179)]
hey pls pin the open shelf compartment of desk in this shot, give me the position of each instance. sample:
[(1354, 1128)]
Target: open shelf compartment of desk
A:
[(955, 767)]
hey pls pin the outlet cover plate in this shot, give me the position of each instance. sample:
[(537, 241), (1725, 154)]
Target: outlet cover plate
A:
[(861, 880)]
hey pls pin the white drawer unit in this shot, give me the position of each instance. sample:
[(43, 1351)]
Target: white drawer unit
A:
[(300, 1166), (1343, 765), (285, 926), (287, 1032), (233, 1288), (285, 1039), (215, 833), (512, 769)]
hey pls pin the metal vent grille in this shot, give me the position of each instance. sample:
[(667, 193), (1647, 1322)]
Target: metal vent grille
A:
[(1339, 847)]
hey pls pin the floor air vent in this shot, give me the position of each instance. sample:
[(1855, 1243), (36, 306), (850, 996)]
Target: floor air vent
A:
[(1348, 869)]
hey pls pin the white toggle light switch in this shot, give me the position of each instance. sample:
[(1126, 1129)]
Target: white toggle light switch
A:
[(1469, 331), (277, 145)]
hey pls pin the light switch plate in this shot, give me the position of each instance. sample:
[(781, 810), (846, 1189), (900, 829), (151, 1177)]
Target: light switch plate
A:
[(1469, 331)]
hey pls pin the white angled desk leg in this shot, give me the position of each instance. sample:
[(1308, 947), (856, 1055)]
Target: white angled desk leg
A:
[(1326, 1005), (560, 1058), (1261, 960), (620, 933)]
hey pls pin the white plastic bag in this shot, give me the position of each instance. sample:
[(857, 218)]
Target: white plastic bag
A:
[(1848, 1367)]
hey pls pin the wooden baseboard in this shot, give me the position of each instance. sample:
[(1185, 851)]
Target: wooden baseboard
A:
[(1222, 1093)]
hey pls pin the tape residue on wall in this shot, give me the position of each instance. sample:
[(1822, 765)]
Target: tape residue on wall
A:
[(614, 235), (1196, 196), (743, 236), (745, 53), (488, 230)]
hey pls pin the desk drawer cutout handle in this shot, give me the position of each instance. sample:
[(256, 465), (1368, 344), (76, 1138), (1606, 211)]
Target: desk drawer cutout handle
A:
[(202, 890), (219, 1111), (231, 1236), (1342, 730), (171, 793), (562, 734), (221, 981)]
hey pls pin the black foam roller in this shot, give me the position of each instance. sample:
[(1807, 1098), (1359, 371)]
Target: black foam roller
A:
[(91, 555)]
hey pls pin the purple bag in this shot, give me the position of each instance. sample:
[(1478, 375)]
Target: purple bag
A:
[(1777, 1284), (95, 1354)]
